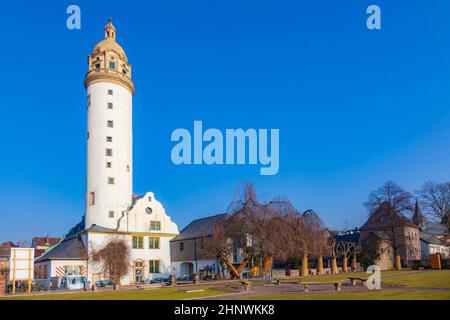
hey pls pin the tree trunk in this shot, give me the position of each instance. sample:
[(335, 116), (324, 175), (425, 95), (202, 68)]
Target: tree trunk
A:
[(345, 264), (304, 271), (267, 266), (354, 263), (334, 266), (398, 263), (320, 266)]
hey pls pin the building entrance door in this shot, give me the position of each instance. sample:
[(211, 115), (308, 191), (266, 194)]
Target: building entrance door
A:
[(138, 272)]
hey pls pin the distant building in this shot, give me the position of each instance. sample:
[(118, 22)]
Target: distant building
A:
[(42, 244), (187, 249), (5, 252), (384, 230), (434, 236), (69, 257), (348, 235)]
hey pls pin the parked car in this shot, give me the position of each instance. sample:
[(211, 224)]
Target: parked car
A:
[(105, 283), (159, 280), (185, 278), (73, 283)]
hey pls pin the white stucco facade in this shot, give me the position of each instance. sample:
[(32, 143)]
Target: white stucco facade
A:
[(146, 220), (112, 211), (50, 272), (186, 269), (109, 153)]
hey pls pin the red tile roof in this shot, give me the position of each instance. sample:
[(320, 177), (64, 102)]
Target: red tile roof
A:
[(5, 249), (45, 241)]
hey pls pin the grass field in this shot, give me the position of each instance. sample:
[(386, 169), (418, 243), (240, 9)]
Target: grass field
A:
[(375, 295), (429, 279), (407, 279), (153, 294)]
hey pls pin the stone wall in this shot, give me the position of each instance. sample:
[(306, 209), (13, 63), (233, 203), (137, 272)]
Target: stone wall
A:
[(3, 281)]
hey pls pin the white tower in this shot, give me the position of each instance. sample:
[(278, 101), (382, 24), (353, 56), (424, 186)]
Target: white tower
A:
[(109, 133)]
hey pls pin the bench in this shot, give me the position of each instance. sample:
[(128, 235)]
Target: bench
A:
[(287, 280), (336, 284), (355, 279)]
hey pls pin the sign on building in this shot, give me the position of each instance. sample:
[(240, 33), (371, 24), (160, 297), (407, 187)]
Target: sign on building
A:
[(21, 266)]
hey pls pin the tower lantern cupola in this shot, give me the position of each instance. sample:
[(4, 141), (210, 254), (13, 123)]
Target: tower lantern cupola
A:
[(110, 30), (108, 62)]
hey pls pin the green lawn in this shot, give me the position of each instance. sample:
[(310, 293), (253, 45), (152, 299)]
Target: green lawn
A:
[(372, 295), (425, 279), (428, 279), (152, 294)]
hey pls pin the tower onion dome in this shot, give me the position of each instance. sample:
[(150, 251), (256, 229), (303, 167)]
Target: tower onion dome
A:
[(108, 62)]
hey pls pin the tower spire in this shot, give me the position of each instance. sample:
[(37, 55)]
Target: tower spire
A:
[(110, 30), (418, 218)]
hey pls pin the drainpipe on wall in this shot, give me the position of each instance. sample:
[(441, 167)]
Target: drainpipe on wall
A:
[(195, 254)]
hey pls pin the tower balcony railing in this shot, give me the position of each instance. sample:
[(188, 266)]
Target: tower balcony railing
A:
[(96, 74)]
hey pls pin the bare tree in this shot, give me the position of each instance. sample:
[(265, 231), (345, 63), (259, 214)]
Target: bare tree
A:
[(262, 231), (356, 251), (394, 201), (344, 249), (268, 231), (115, 258), (435, 199), (399, 199), (333, 251), (315, 239)]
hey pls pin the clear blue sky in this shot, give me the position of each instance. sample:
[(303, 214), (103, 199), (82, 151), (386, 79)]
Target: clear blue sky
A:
[(354, 107)]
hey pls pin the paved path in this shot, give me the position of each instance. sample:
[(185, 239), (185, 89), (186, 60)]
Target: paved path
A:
[(269, 289)]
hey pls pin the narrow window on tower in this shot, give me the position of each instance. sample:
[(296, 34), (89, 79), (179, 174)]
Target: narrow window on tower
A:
[(108, 164), (91, 198), (111, 214), (97, 66), (110, 92), (88, 102), (108, 152), (128, 168), (110, 105), (110, 124), (108, 139), (112, 65), (110, 180)]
